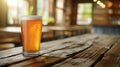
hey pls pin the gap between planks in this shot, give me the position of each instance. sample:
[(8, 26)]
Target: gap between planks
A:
[(88, 57), (91, 54), (44, 46), (19, 58), (111, 57)]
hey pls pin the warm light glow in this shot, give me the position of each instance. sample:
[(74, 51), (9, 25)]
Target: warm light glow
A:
[(109, 4), (95, 0), (12, 2), (101, 4), (110, 11)]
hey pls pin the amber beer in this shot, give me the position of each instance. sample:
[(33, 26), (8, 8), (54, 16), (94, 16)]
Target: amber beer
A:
[(31, 29)]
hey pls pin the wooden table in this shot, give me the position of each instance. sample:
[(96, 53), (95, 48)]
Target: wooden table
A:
[(47, 29), (13, 35), (44, 29), (75, 30), (18, 30), (79, 51)]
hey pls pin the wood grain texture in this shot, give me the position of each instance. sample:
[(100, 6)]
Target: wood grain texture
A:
[(111, 58), (91, 55), (15, 55), (84, 59), (62, 53), (10, 52), (42, 61), (47, 46), (77, 51)]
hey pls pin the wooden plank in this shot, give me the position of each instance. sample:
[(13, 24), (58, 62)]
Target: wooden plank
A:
[(111, 58), (101, 42), (42, 61), (10, 52), (20, 57), (88, 57), (61, 53), (46, 48), (69, 43), (70, 49)]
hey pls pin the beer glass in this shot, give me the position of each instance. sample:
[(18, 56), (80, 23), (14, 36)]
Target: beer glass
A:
[(31, 30)]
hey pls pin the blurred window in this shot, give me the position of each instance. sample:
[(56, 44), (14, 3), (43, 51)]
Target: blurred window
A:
[(84, 13), (43, 10), (59, 11), (16, 9)]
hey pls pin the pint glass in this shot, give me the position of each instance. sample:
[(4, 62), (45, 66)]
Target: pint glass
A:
[(31, 30)]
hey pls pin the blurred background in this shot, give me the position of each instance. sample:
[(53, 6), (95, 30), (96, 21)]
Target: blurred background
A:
[(61, 18)]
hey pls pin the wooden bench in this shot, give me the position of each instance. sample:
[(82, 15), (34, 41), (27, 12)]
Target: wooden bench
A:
[(47, 36), (78, 51), (9, 38), (6, 46)]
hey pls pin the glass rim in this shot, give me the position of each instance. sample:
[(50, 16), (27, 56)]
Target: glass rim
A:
[(32, 17)]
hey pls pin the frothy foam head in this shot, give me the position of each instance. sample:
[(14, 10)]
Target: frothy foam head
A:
[(31, 17)]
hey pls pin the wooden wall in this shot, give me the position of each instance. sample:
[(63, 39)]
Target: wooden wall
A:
[(67, 12), (3, 13), (33, 4), (100, 16), (73, 12)]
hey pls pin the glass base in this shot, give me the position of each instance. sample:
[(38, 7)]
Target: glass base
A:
[(32, 54)]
